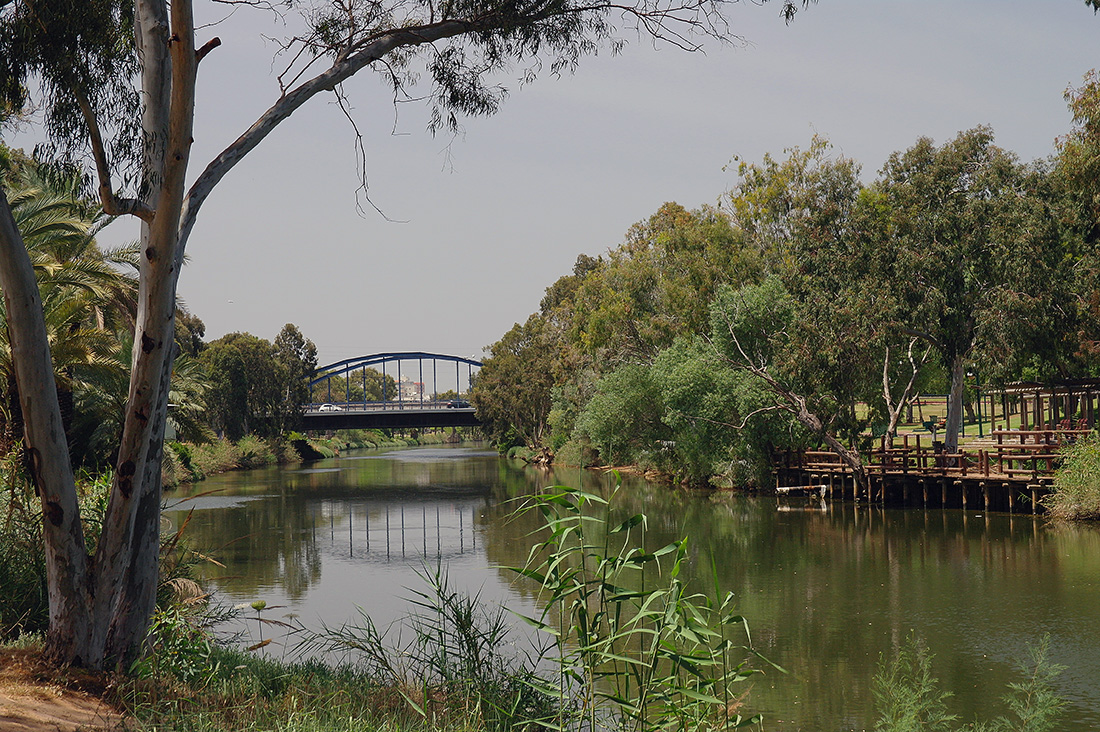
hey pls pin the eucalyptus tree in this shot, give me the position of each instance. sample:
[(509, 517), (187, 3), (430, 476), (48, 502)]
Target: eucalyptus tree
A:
[(513, 390), (810, 333), (1077, 176), (248, 384), (971, 246), (298, 355), (117, 80), (658, 284)]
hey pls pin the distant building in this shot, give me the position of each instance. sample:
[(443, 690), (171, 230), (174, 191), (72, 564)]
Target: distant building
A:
[(411, 391)]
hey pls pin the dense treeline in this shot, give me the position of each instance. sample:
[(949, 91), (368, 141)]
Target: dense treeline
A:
[(234, 386), (809, 308)]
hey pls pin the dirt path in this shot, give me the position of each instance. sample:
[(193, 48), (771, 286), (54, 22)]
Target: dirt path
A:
[(35, 698)]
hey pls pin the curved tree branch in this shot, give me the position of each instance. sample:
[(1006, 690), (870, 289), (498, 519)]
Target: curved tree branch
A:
[(112, 204)]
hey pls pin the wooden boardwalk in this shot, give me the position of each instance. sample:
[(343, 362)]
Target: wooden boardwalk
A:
[(1010, 471)]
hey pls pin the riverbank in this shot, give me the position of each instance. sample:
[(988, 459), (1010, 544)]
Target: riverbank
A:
[(191, 463), (36, 697)]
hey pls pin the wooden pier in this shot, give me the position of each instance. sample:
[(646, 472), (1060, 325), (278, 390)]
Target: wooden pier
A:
[(1010, 471)]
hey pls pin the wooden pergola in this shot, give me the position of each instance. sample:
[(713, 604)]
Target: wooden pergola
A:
[(1066, 405)]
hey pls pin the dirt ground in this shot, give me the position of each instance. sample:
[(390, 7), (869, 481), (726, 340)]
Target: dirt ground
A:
[(37, 698)]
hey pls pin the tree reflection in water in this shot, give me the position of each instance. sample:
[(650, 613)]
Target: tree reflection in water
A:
[(826, 592)]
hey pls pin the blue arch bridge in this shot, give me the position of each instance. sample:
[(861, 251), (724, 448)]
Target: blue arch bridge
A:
[(399, 390)]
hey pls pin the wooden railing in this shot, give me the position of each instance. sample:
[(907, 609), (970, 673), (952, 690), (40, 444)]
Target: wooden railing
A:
[(1016, 455)]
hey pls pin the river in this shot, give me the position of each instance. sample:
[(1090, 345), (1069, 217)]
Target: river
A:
[(827, 590)]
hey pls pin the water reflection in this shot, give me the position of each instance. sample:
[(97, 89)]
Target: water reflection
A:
[(826, 592)]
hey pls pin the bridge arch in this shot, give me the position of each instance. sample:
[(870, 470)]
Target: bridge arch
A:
[(409, 392)]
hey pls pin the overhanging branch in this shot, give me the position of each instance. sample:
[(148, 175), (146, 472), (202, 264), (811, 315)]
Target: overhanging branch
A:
[(112, 204)]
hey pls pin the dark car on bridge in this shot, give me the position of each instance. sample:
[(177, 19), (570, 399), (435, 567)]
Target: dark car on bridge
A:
[(458, 404)]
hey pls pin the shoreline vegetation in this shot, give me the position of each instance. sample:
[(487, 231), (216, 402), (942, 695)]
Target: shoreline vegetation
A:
[(812, 308), (186, 462), (663, 657)]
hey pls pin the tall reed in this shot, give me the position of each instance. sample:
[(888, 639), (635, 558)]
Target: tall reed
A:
[(633, 647)]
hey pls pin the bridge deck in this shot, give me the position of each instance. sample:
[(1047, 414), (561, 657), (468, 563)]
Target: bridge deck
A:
[(388, 415)]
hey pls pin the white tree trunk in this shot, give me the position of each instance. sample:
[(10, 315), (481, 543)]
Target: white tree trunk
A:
[(894, 409), (954, 404), (46, 448)]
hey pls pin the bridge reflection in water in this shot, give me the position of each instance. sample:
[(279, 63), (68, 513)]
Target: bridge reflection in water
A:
[(440, 533)]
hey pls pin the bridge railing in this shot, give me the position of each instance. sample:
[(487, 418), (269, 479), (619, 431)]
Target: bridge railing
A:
[(388, 406)]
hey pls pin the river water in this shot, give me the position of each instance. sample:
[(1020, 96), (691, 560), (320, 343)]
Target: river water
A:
[(827, 590)]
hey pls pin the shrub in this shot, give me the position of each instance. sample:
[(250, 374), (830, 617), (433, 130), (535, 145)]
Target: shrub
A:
[(1077, 483), (254, 452), (24, 605), (633, 647), (576, 454), (908, 697), (172, 470), (213, 458)]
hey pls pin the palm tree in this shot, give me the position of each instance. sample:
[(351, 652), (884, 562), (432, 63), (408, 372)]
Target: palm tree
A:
[(86, 296), (89, 299)]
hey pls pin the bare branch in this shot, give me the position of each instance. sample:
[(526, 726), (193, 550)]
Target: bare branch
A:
[(207, 48), (907, 395), (383, 44)]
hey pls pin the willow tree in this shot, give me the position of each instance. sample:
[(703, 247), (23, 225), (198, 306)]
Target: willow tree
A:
[(117, 86)]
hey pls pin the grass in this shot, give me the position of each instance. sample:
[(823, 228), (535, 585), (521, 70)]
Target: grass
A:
[(626, 646)]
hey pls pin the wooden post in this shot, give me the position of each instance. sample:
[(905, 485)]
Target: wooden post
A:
[(985, 494), (1011, 497)]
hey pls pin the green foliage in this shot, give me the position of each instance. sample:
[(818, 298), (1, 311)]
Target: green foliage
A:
[(257, 387), (908, 697), (623, 417), (512, 393), (368, 385), (1076, 493), (24, 606), (705, 403), (254, 452), (819, 287), (177, 646), (576, 453), (456, 668), (246, 381), (298, 357), (212, 458), (1076, 175), (87, 302), (70, 53), (1032, 703), (658, 284), (634, 648)]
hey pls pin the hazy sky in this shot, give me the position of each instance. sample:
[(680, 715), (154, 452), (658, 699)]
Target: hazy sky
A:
[(476, 227)]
